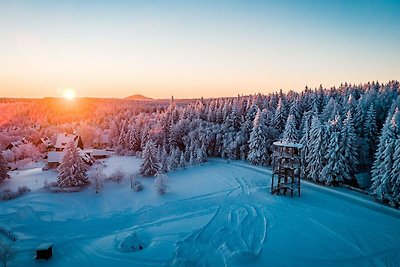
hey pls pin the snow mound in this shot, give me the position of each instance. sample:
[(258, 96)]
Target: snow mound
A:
[(132, 243)]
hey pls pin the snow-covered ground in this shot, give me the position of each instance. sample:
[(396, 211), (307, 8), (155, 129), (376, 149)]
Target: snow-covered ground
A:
[(213, 215), (33, 178)]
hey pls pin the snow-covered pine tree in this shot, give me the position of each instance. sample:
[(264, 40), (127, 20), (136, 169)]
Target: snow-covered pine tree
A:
[(382, 189), (290, 134), (306, 141), (351, 103), (182, 161), (151, 164), (316, 156), (192, 160), (3, 168), (368, 146), (164, 159), (395, 175), (136, 185), (295, 111), (201, 155), (381, 170), (243, 136), (279, 120), (348, 145), (334, 170), (132, 143), (159, 183), (114, 133), (317, 100), (174, 158), (98, 178), (72, 169), (358, 117), (258, 153), (330, 110)]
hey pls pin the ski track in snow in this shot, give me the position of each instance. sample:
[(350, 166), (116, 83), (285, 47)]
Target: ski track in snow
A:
[(236, 232), (235, 222)]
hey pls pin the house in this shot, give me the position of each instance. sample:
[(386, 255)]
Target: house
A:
[(47, 143), (63, 139), (102, 141), (54, 158), (16, 144), (99, 153)]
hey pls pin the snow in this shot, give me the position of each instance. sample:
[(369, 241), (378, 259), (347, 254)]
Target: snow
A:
[(216, 214), (44, 246), (33, 178), (55, 156), (128, 165)]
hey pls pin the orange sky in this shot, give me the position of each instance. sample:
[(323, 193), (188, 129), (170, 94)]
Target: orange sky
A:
[(116, 49)]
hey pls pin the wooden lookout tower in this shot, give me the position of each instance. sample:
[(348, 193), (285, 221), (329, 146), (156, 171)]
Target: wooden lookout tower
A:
[(286, 166)]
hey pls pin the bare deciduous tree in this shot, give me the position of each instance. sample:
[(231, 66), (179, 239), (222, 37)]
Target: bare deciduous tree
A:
[(7, 253)]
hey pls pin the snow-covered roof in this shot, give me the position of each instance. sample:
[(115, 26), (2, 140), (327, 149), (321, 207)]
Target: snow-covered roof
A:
[(44, 246), (15, 144), (55, 156), (46, 141), (287, 144), (99, 152), (85, 156), (63, 139)]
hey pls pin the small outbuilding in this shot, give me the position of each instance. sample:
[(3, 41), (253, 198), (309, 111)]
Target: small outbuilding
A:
[(46, 143), (99, 153), (44, 251), (102, 141), (54, 159)]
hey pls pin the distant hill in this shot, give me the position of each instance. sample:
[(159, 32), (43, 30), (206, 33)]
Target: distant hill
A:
[(137, 97)]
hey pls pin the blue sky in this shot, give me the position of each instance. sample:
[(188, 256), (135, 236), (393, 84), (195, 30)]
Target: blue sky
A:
[(194, 48)]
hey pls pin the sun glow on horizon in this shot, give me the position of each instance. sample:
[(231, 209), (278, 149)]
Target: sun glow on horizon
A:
[(69, 94), (193, 49)]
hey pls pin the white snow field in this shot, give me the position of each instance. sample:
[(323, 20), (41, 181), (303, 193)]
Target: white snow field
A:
[(217, 214)]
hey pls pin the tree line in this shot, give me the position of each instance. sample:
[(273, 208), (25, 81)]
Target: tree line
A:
[(345, 130)]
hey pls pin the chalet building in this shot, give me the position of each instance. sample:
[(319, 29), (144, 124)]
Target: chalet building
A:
[(54, 158), (16, 144), (46, 143), (98, 153), (102, 141), (64, 139)]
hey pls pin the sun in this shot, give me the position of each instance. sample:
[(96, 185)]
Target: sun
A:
[(69, 94)]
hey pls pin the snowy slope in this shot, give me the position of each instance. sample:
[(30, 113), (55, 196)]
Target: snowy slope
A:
[(213, 215)]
